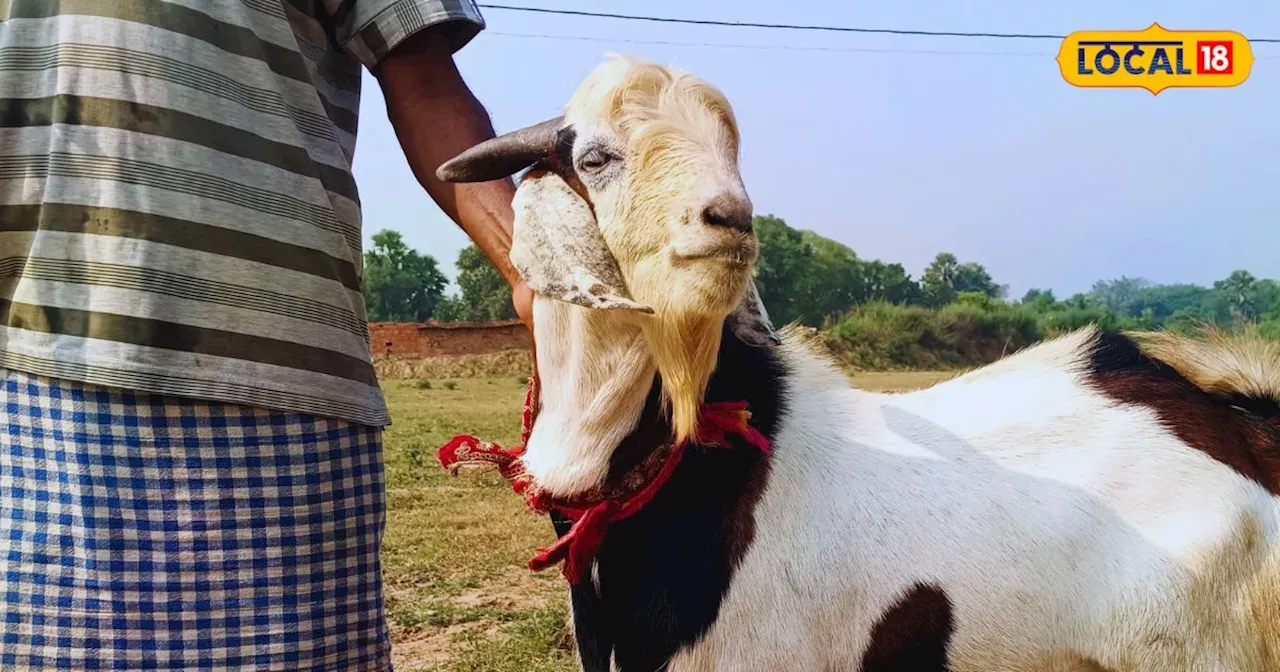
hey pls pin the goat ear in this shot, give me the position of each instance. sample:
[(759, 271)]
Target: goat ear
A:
[(557, 247), (750, 321)]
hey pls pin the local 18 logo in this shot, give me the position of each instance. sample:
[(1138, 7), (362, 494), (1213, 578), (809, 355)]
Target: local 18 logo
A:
[(1155, 59)]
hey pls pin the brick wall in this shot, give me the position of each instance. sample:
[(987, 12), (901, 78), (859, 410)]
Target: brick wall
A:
[(432, 339)]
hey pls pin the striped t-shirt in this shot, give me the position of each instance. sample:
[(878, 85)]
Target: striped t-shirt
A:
[(177, 209)]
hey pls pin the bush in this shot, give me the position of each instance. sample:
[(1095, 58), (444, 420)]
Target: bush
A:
[(523, 380), (422, 384), (977, 329), (886, 336), (1269, 327), (450, 385)]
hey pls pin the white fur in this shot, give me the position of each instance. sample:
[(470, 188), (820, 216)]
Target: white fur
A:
[(594, 380), (1061, 525)]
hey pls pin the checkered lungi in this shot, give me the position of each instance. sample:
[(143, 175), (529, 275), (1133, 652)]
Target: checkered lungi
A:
[(139, 532)]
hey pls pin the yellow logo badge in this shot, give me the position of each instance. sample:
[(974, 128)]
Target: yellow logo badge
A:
[(1155, 59)]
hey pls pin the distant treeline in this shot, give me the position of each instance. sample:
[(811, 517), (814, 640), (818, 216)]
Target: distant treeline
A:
[(874, 315)]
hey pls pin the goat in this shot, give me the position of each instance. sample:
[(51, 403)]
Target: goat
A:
[(1083, 504)]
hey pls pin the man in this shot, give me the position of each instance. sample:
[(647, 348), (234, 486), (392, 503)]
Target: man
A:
[(190, 462)]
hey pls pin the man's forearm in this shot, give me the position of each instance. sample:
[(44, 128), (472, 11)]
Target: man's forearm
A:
[(436, 117)]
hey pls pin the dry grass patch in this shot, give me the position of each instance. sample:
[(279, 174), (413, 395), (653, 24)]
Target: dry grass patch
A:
[(488, 365)]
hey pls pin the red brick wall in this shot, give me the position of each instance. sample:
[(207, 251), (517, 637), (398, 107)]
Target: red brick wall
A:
[(430, 339)]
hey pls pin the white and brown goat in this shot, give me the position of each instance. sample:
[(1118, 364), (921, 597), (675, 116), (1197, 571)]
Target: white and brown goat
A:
[(1086, 504)]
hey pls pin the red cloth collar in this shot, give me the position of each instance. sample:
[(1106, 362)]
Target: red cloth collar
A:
[(593, 511)]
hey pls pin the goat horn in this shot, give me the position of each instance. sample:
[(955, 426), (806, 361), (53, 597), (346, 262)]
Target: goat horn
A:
[(504, 155)]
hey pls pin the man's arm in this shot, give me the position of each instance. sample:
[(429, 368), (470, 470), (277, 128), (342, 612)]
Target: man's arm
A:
[(436, 117)]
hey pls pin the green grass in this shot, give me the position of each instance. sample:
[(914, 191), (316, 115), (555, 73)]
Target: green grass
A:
[(455, 549), (460, 597)]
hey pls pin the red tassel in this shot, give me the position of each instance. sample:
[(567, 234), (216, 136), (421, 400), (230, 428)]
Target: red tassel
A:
[(716, 421), (578, 547)]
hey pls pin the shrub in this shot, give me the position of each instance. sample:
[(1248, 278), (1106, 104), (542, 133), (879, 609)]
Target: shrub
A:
[(1269, 327), (422, 384), (450, 385), (887, 336)]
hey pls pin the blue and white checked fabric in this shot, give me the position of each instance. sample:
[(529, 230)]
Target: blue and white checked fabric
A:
[(142, 532)]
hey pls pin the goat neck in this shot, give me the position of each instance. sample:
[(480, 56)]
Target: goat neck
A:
[(595, 373)]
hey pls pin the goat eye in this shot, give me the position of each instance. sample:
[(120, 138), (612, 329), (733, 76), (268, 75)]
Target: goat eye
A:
[(595, 160)]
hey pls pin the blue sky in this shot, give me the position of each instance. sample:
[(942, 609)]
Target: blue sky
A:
[(903, 155)]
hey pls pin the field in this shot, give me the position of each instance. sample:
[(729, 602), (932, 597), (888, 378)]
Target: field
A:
[(459, 596)]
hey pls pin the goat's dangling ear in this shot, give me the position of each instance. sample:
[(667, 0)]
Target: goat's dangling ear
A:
[(557, 247), (750, 321)]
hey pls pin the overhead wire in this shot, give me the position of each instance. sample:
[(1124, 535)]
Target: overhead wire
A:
[(797, 27), (788, 47), (778, 47)]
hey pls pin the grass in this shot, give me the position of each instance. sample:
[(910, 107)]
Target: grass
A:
[(459, 595)]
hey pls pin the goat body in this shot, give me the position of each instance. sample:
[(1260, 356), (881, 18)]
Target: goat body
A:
[(1067, 508), (1078, 506)]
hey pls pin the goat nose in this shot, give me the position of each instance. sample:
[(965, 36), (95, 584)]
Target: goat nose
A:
[(728, 211)]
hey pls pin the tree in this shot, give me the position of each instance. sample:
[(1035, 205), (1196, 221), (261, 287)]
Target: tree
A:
[(1240, 292), (1039, 298), (973, 277), (1270, 327), (833, 282), (890, 282), (485, 295), (1116, 295), (1267, 292), (946, 277), (1189, 303), (1078, 301), (400, 285), (939, 280), (785, 261), (809, 278)]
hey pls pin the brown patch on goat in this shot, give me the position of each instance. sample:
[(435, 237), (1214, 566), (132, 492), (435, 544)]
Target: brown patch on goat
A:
[(1214, 425), (1244, 365), (913, 634)]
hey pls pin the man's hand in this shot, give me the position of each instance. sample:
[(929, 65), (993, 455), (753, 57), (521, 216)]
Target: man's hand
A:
[(436, 117), (522, 297)]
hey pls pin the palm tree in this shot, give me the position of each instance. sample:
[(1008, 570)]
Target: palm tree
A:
[(1241, 292)]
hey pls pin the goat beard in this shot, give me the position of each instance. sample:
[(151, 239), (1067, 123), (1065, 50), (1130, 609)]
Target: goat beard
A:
[(685, 349)]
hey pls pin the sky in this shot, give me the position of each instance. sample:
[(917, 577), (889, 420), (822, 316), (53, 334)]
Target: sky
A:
[(900, 156)]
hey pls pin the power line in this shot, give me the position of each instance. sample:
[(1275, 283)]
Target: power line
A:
[(784, 26), (787, 47), (780, 47)]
